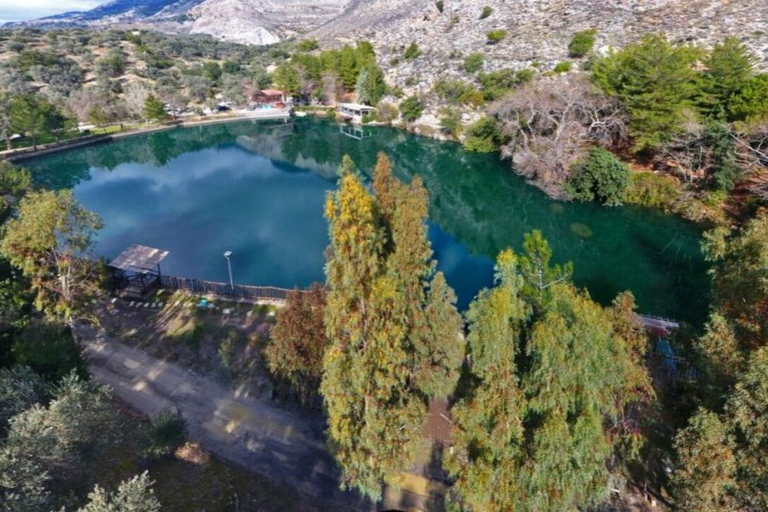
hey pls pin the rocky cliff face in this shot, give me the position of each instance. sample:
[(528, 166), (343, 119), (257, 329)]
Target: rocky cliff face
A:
[(538, 30)]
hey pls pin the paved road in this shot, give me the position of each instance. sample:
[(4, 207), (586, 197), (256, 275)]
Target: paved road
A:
[(277, 444)]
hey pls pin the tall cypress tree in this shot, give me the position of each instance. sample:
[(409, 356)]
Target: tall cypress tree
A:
[(547, 369), (392, 324)]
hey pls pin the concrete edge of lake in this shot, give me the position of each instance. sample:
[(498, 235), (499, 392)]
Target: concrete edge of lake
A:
[(18, 155)]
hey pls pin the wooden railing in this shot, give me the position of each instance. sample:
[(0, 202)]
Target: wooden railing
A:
[(214, 287)]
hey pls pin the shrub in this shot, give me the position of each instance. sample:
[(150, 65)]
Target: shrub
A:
[(582, 43), (450, 121), (412, 52), (50, 350), (440, 5), (600, 177), (497, 83), (452, 90), (307, 45), (487, 11), (484, 136), (387, 112), (562, 67), (494, 36), (411, 109), (473, 62), (164, 433), (653, 190)]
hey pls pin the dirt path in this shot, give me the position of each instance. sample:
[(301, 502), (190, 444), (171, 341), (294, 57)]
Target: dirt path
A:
[(253, 433)]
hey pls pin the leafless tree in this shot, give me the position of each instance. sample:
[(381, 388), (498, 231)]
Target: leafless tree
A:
[(687, 152), (752, 155), (552, 121), (332, 88)]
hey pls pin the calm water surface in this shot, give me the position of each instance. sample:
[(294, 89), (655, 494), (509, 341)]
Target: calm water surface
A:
[(258, 190)]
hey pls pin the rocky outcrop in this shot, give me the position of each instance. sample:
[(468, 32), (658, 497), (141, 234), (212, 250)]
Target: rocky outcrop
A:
[(262, 21)]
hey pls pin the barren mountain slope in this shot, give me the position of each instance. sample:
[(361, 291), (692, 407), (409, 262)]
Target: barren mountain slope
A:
[(538, 30)]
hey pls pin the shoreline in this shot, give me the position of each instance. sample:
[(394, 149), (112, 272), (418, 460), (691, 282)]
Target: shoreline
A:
[(19, 155)]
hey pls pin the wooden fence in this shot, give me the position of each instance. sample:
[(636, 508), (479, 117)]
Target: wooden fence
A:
[(217, 288)]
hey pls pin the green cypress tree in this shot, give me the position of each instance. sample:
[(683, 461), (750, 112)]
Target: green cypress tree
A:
[(548, 370), (489, 443), (392, 327)]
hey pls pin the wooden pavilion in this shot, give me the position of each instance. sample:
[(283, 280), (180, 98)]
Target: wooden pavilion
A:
[(136, 270)]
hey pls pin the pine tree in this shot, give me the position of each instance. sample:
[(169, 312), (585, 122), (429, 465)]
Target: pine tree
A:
[(392, 326), (729, 66), (656, 81)]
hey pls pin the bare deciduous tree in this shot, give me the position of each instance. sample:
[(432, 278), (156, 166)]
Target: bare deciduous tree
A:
[(552, 121), (752, 155), (135, 97)]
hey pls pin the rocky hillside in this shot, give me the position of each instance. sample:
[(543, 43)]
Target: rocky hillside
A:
[(538, 31), (244, 21)]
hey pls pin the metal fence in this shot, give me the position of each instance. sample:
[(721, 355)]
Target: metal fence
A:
[(217, 288)]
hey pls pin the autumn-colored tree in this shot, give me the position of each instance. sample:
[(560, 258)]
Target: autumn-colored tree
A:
[(298, 343), (49, 241), (721, 459), (740, 282), (393, 328), (707, 465)]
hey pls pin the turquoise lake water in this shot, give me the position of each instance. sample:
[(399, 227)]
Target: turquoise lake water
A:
[(258, 190)]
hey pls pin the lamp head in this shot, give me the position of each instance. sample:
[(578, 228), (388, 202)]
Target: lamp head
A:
[(228, 254)]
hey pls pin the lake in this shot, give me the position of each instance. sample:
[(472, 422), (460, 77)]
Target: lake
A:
[(258, 190)]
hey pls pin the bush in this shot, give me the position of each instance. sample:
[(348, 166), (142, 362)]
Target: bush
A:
[(600, 177), (484, 136), (450, 121), (440, 5), (308, 45), (494, 36), (50, 350), (497, 83), (387, 112), (412, 52), (562, 67), (474, 62), (653, 190), (487, 11), (164, 433), (582, 43), (411, 109)]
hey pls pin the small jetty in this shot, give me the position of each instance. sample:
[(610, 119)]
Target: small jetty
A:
[(657, 326)]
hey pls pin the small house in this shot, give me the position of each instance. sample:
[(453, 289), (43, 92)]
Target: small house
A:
[(355, 111)]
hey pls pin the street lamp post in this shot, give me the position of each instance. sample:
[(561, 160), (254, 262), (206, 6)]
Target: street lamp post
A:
[(229, 266)]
